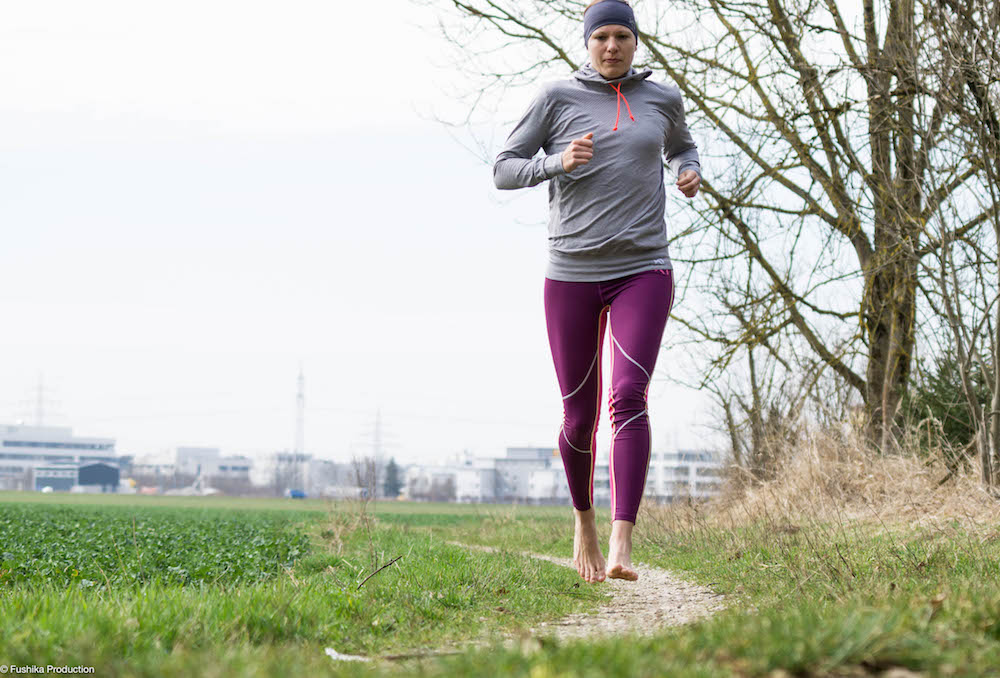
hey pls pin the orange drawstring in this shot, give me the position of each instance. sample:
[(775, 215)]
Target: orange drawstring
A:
[(618, 106)]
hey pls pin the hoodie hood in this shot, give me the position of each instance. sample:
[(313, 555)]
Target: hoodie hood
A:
[(589, 74)]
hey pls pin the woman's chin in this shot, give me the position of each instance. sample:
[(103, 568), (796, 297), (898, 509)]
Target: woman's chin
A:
[(612, 71)]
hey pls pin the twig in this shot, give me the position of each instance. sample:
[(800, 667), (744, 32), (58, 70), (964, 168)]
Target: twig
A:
[(377, 571), (420, 655)]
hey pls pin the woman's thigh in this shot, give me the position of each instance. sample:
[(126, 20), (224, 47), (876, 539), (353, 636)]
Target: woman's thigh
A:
[(574, 319), (639, 307)]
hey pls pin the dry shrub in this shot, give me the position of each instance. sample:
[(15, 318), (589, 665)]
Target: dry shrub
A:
[(832, 477), (344, 517)]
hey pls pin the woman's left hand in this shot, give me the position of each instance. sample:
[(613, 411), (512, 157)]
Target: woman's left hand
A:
[(688, 183)]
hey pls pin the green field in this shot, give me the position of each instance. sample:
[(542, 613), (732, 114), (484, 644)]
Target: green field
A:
[(151, 586)]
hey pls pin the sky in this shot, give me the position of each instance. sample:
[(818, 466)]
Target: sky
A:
[(198, 199)]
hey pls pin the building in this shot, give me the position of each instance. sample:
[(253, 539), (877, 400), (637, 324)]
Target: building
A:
[(59, 476), (433, 483), (474, 484), (30, 452), (535, 475), (682, 474), (99, 477), (548, 485), (515, 469), (209, 462)]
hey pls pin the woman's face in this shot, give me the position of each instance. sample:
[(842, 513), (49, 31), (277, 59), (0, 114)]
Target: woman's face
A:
[(612, 49)]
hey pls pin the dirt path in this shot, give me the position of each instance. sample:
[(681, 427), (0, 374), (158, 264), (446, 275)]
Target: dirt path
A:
[(658, 599)]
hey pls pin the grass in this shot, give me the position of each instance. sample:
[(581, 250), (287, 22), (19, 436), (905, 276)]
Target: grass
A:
[(844, 566), (315, 582), (811, 599)]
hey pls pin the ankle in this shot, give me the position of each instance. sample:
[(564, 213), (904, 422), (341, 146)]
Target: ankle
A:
[(588, 517), (621, 532)]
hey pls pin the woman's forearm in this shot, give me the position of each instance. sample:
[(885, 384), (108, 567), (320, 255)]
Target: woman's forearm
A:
[(511, 171)]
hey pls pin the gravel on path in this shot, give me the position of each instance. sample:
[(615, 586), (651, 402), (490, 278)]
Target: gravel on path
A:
[(659, 598)]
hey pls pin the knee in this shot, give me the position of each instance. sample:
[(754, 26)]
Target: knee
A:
[(629, 394), (578, 427)]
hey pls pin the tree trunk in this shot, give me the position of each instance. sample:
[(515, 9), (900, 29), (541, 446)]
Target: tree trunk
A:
[(889, 305)]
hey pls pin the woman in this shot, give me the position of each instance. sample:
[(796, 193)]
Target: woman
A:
[(609, 268)]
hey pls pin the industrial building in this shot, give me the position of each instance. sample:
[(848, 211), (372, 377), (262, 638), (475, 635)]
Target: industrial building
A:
[(35, 457)]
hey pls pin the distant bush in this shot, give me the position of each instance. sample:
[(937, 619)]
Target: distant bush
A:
[(935, 406)]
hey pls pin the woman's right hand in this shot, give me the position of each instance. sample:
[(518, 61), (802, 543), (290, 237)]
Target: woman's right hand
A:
[(579, 152)]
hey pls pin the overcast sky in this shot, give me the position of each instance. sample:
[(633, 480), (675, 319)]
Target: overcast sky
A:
[(198, 197)]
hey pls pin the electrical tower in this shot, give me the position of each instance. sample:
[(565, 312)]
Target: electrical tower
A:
[(36, 408), (40, 404), (300, 428), (377, 438), (381, 441)]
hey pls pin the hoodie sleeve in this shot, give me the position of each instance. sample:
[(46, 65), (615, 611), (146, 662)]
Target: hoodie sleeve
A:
[(517, 166), (678, 146)]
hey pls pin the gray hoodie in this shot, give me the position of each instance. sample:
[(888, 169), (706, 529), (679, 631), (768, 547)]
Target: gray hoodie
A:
[(606, 218)]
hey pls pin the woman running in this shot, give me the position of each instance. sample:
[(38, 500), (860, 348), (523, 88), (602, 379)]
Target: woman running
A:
[(609, 268)]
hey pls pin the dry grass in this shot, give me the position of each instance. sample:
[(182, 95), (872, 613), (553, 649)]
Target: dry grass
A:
[(833, 478), (344, 517)]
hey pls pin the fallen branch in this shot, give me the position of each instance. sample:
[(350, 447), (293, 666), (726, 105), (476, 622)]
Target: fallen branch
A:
[(419, 655), (377, 571)]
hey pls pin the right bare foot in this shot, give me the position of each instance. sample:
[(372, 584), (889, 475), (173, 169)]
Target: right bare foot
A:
[(620, 552), (587, 554)]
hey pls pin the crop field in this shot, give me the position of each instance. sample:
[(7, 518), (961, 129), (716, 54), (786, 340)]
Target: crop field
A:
[(85, 546), (225, 587)]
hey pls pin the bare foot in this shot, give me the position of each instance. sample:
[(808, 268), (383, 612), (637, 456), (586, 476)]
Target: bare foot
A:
[(620, 552), (586, 552)]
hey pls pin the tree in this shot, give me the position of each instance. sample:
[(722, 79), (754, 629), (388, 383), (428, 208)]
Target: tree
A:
[(834, 141), (963, 277), (393, 484)]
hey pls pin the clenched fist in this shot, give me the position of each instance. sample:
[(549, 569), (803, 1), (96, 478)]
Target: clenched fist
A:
[(579, 152), (688, 183)]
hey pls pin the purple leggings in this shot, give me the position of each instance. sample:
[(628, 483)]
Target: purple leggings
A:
[(635, 310)]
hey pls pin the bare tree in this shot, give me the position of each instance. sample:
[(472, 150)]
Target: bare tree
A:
[(962, 278), (832, 142)]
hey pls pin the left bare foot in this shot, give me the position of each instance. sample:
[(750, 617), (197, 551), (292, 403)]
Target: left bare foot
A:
[(620, 552)]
